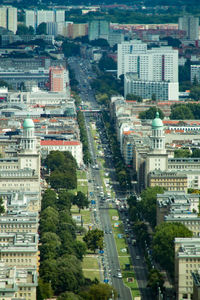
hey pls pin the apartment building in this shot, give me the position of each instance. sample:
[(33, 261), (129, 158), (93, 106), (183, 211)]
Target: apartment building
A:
[(194, 73), (23, 222), (19, 250), (8, 18), (17, 283), (196, 285), (190, 25), (187, 260), (36, 17), (172, 202), (161, 90), (171, 181), (98, 29)]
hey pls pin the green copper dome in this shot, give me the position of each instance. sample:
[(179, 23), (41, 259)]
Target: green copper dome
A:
[(28, 123), (157, 122)]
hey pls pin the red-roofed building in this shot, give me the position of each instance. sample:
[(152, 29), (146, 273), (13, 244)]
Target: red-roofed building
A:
[(75, 147)]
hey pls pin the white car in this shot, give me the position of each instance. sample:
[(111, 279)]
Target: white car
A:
[(119, 275), (137, 257)]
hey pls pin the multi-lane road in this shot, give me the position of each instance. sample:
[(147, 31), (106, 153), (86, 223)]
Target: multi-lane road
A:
[(110, 262)]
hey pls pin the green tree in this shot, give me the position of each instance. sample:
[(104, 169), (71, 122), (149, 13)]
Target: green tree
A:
[(163, 243), (102, 291), (49, 220), (81, 200), (94, 239), (181, 112), (80, 249), (196, 153), (107, 63), (69, 275), (50, 245), (24, 30), (42, 28), (69, 296), (44, 289), (148, 203), (155, 280), (133, 97), (49, 198), (182, 153), (151, 113), (64, 200), (2, 207), (141, 232)]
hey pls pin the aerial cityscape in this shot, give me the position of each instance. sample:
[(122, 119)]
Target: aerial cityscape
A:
[(100, 150)]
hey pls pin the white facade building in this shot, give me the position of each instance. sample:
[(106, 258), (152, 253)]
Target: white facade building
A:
[(190, 24), (158, 64), (195, 73), (75, 147), (36, 17), (163, 90), (134, 46), (8, 18)]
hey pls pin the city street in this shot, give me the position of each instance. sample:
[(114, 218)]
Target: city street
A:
[(110, 260)]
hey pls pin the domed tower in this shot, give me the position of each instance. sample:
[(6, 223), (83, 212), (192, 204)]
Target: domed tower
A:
[(28, 141), (157, 137)]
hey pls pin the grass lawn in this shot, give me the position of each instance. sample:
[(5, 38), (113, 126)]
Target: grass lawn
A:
[(90, 263), (85, 213), (91, 274), (81, 174)]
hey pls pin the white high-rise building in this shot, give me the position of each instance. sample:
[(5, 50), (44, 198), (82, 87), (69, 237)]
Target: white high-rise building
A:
[(35, 18), (132, 47), (30, 18), (8, 18), (189, 24), (157, 64), (59, 16)]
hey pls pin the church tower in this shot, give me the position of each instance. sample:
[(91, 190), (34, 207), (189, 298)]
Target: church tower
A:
[(28, 141), (157, 137), (29, 154)]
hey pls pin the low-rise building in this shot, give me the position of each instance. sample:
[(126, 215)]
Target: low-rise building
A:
[(170, 202), (171, 181), (161, 90), (75, 147)]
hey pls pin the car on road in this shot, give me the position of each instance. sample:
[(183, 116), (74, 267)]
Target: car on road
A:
[(137, 257), (119, 275)]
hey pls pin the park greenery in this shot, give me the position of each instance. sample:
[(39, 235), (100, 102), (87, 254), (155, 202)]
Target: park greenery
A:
[(180, 153), (188, 111), (122, 173), (83, 137), (94, 239), (70, 48), (163, 243), (133, 97), (150, 114), (61, 253), (62, 167)]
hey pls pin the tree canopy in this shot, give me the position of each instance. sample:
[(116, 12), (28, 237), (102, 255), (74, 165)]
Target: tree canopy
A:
[(94, 239), (150, 114), (163, 243)]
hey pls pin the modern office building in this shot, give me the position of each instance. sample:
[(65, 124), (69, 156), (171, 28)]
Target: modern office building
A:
[(98, 29), (190, 25), (8, 18)]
